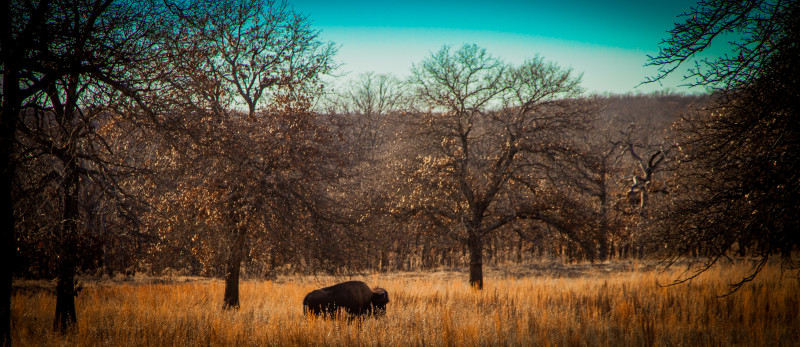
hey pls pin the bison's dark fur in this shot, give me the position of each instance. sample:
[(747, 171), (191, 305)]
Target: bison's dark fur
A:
[(355, 297)]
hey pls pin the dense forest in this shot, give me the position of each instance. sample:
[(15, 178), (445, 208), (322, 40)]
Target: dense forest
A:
[(208, 140), (336, 206)]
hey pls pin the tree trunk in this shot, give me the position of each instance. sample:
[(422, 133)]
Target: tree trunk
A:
[(604, 233), (232, 283), (232, 270), (65, 316), (9, 117), (8, 249), (65, 296), (475, 245)]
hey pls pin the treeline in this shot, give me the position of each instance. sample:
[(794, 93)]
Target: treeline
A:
[(199, 138), (205, 143), (329, 188), (351, 226)]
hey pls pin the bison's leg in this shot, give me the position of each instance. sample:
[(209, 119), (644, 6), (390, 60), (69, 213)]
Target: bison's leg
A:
[(316, 310)]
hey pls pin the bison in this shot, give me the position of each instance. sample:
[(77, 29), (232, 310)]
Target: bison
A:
[(355, 297)]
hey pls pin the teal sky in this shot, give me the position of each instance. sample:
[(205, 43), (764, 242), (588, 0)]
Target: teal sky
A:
[(607, 41)]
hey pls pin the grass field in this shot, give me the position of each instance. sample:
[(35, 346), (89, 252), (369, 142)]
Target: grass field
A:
[(618, 304)]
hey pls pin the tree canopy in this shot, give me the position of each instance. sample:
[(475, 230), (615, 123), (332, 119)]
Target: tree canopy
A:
[(737, 174)]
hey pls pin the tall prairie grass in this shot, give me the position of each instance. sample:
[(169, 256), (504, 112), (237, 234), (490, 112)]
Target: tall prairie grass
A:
[(591, 307)]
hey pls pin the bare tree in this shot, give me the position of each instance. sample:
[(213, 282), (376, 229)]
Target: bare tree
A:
[(590, 174), (761, 31), (737, 174), (365, 103), (250, 50), (489, 127), (12, 49), (642, 180), (71, 68), (266, 57), (364, 113)]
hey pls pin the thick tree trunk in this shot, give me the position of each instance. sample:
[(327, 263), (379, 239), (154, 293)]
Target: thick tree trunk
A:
[(232, 270), (9, 117), (65, 316), (65, 296), (232, 284), (7, 241), (475, 245), (602, 249), (602, 236)]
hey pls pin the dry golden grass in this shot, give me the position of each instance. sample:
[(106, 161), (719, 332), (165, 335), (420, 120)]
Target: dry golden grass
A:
[(574, 306)]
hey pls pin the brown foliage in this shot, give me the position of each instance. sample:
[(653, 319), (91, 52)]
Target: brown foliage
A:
[(737, 180)]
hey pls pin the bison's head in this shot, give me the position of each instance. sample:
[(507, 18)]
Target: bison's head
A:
[(379, 299)]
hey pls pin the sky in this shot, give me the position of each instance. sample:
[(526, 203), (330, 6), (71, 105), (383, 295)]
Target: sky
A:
[(607, 41)]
